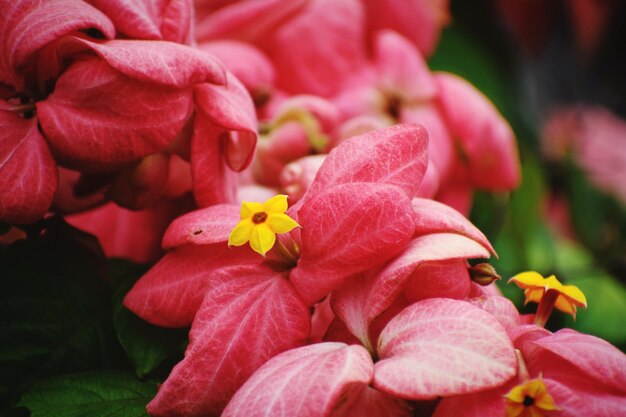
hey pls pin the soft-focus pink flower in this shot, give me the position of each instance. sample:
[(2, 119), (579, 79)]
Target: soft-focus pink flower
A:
[(595, 139), (75, 95)]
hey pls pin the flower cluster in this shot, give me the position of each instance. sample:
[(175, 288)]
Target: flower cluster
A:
[(328, 271)]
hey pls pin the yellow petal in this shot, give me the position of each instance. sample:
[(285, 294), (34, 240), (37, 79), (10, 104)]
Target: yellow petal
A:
[(516, 394), (533, 295), (528, 279), (552, 282), (262, 238), (513, 409), (565, 305), (545, 402), (241, 233), (276, 204), (281, 223), (534, 388), (575, 295), (248, 208)]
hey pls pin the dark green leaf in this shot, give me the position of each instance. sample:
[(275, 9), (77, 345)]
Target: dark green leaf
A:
[(146, 345), (103, 394)]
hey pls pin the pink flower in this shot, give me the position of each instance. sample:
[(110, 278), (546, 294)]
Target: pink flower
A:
[(356, 216), (72, 94)]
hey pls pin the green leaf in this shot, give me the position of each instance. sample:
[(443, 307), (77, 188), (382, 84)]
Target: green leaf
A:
[(102, 394), (54, 310), (146, 345)]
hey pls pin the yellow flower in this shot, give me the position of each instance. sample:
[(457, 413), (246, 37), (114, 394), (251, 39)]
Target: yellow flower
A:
[(530, 399), (536, 287), (260, 223)]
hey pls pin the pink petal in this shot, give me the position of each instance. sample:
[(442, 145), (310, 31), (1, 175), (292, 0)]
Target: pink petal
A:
[(202, 227), (88, 122), (213, 180), (448, 279), (297, 177), (348, 229), (159, 62), (402, 69), (310, 381), (396, 155), (230, 108), (247, 63), (420, 21), (577, 358), (485, 137), (135, 235), (442, 347), (434, 217), (27, 26), (247, 21), (171, 292), (501, 308), (249, 315), (327, 32), (371, 402), (28, 174)]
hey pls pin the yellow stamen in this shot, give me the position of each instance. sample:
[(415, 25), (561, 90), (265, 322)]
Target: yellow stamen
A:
[(549, 293), (260, 223)]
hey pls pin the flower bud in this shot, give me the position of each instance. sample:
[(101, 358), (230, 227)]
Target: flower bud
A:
[(483, 274)]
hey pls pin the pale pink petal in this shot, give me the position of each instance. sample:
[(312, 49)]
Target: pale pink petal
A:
[(88, 123), (310, 381), (348, 229), (297, 177), (230, 107), (576, 358), (500, 308), (202, 227), (486, 139), (361, 300), (434, 217), (171, 292), (396, 155), (448, 279), (442, 347), (28, 173), (27, 26), (402, 71), (420, 21), (249, 315)]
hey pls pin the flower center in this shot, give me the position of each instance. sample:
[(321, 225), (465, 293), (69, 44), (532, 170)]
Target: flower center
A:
[(260, 217), (528, 401)]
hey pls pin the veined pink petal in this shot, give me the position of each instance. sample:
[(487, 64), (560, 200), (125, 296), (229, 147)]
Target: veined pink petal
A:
[(310, 381), (202, 227), (249, 315), (171, 292), (441, 347), (231, 108), (348, 229), (576, 358), (402, 70), (371, 402), (484, 136), (26, 26), (318, 50), (501, 308), (163, 63), (396, 155), (88, 122), (28, 173), (449, 279), (363, 299), (213, 181), (434, 217), (403, 16)]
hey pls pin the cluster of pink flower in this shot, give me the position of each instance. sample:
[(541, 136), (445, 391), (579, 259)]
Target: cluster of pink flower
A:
[(358, 299)]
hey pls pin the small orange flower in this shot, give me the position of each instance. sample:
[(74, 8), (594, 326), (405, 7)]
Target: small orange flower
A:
[(530, 399)]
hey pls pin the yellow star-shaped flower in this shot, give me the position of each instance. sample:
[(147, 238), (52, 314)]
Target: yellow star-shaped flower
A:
[(260, 223), (536, 286), (530, 399)]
